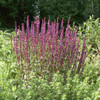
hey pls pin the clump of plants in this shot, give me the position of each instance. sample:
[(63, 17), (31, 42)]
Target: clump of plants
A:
[(62, 84), (47, 49)]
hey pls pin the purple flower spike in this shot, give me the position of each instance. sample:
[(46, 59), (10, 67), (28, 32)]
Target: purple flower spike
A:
[(62, 22), (82, 55)]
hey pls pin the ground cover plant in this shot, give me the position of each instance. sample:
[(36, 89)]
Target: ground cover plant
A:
[(22, 78)]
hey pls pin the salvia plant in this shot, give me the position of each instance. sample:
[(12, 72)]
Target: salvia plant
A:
[(47, 49)]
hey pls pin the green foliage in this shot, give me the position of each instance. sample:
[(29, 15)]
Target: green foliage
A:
[(15, 10), (58, 8), (11, 10), (91, 29), (35, 88), (92, 7), (8, 69)]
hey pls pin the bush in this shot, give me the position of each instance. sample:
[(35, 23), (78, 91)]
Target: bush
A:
[(91, 29), (75, 88)]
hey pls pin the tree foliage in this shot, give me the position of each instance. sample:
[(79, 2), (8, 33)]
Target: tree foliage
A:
[(17, 10)]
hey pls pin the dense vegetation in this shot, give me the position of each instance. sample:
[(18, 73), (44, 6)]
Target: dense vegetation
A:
[(79, 11), (26, 73)]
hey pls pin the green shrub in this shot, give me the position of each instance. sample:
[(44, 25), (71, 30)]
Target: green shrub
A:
[(91, 29), (75, 88)]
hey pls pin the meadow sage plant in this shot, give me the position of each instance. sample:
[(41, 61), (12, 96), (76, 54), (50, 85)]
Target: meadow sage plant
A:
[(47, 49)]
